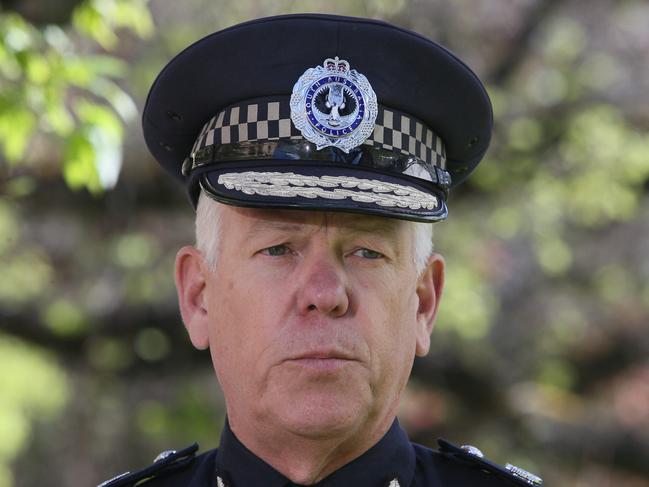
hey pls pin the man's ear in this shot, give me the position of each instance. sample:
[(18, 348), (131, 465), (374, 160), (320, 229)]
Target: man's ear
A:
[(429, 292), (190, 284)]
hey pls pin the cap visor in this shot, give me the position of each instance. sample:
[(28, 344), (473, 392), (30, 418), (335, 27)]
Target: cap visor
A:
[(330, 188)]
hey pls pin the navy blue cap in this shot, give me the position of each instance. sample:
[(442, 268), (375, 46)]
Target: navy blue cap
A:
[(319, 112)]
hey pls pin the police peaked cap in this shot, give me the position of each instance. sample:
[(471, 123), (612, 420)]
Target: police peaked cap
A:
[(319, 112)]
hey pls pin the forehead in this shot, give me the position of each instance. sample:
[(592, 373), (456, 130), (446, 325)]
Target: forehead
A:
[(253, 221)]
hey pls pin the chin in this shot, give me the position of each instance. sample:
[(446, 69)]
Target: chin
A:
[(320, 416)]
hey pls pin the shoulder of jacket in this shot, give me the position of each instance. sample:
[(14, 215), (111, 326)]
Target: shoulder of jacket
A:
[(470, 460), (166, 463)]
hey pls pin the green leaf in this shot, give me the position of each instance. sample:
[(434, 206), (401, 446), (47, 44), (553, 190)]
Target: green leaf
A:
[(88, 19), (59, 119), (99, 19), (17, 124), (135, 15), (105, 65), (77, 72), (79, 168), (17, 34), (103, 130), (37, 69), (121, 102)]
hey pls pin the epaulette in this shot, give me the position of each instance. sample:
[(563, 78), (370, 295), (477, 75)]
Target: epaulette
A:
[(165, 463), (470, 455)]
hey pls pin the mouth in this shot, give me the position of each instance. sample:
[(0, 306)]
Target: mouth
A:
[(322, 361), (323, 355)]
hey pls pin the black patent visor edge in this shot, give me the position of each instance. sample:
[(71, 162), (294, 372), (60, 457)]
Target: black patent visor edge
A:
[(202, 180)]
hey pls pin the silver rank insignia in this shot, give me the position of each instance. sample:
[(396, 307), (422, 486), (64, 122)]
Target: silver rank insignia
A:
[(334, 106), (528, 477)]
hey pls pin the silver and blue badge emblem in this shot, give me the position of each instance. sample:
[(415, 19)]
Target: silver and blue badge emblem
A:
[(332, 105)]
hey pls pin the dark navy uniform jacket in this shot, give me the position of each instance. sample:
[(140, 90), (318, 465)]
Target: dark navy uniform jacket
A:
[(393, 462)]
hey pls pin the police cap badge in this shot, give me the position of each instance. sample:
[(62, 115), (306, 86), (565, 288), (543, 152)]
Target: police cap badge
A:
[(333, 106), (319, 112)]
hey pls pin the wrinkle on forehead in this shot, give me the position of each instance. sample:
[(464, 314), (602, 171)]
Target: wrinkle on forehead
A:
[(260, 220)]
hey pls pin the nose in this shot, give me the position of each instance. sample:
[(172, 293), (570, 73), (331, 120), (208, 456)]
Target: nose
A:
[(323, 286)]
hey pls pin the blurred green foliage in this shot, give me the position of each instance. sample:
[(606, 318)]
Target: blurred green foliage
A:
[(34, 387), (52, 88), (55, 91)]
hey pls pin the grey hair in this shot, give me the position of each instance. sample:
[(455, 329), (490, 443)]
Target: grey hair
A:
[(208, 224)]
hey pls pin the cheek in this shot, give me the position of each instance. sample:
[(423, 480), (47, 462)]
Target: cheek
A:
[(390, 311), (228, 325), (238, 310), (399, 354)]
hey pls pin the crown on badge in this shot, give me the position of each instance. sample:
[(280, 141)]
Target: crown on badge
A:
[(336, 65)]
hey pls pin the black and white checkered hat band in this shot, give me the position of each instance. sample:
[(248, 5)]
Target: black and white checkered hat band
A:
[(271, 120)]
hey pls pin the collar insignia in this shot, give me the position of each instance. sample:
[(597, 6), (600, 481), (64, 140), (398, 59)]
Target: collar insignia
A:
[(334, 106), (528, 477)]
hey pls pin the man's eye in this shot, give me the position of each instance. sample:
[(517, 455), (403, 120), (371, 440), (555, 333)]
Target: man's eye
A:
[(368, 254), (276, 250)]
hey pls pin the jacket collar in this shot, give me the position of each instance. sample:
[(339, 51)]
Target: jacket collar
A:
[(391, 458)]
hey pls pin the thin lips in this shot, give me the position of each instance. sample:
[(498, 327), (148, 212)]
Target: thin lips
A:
[(323, 355)]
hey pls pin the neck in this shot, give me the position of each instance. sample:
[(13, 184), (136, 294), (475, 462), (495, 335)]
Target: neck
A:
[(306, 460)]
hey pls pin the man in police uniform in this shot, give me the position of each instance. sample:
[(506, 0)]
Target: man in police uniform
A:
[(318, 150)]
